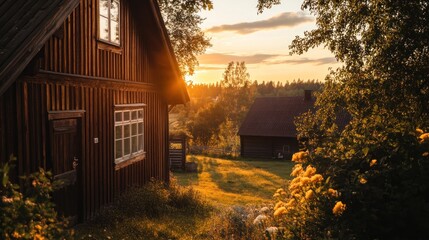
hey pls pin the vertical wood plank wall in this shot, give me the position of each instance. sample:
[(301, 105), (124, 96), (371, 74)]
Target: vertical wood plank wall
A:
[(101, 182), (82, 73), (77, 50)]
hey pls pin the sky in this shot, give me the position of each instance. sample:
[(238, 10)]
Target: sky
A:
[(238, 33)]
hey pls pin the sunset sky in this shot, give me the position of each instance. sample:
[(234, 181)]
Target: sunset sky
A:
[(238, 33)]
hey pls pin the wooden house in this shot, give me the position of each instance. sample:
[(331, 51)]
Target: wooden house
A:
[(268, 130), (84, 92)]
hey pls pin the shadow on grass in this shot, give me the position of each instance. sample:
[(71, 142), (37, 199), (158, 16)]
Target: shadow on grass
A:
[(151, 212)]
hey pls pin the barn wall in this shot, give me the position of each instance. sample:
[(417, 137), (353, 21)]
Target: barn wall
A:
[(75, 48), (267, 147), (8, 128), (256, 147), (101, 182)]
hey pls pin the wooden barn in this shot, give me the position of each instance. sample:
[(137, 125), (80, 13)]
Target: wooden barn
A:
[(268, 131), (84, 92)]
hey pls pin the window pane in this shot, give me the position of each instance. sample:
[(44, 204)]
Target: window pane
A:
[(114, 11), (134, 115), (134, 129), (104, 28), (140, 142), (114, 32), (140, 114), (134, 144), (118, 132), (126, 146), (126, 131), (126, 116), (104, 8), (140, 128), (118, 149), (118, 116)]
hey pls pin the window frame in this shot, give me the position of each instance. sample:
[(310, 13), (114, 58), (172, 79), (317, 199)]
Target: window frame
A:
[(109, 19), (139, 153)]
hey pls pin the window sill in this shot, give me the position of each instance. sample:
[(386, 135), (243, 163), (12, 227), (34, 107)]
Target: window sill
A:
[(108, 46), (130, 161)]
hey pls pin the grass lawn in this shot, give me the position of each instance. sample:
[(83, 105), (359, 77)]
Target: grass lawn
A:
[(179, 213), (236, 182)]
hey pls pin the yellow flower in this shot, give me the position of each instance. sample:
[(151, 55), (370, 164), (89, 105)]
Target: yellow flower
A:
[(6, 199), (297, 170), (276, 195), (333, 192), (290, 203), (280, 211), (362, 180), (15, 234), (38, 237), (424, 137), (339, 208), (305, 180), (316, 178), (309, 194), (309, 171), (299, 157), (419, 131), (280, 190), (373, 162), (38, 227), (278, 204)]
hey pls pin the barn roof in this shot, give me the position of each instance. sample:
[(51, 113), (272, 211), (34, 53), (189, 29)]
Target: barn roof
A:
[(26, 25), (274, 116)]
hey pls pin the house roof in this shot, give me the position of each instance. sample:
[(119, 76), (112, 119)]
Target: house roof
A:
[(274, 116), (26, 25)]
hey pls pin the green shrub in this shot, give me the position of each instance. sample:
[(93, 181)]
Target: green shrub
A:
[(29, 214)]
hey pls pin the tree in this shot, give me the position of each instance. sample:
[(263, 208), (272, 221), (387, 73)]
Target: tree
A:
[(183, 25), (379, 163), (236, 95)]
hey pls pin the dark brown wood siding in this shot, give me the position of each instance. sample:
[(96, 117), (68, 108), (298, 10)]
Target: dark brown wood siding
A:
[(268, 147), (78, 72), (101, 182), (75, 48)]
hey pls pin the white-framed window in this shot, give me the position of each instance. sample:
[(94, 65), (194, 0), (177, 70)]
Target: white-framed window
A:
[(108, 21), (129, 134)]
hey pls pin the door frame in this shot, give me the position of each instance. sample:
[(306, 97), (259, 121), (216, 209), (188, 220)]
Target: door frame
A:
[(79, 115)]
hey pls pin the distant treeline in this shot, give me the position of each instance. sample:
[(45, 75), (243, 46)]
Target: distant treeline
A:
[(260, 89)]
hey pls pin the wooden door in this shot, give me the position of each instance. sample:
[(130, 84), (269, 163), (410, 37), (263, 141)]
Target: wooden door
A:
[(66, 149)]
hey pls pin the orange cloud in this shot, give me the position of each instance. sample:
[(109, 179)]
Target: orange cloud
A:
[(283, 20)]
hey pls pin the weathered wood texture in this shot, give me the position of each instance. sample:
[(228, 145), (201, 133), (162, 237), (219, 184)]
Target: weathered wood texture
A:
[(75, 49), (177, 153), (268, 147), (101, 182), (78, 72)]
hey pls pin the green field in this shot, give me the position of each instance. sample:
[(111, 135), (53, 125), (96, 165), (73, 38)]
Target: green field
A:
[(236, 182), (149, 214)]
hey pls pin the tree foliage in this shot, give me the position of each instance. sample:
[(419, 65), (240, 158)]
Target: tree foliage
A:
[(183, 25), (378, 163), (29, 213)]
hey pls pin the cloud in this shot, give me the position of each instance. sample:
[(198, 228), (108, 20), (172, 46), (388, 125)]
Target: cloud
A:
[(283, 20), (219, 58), (317, 61)]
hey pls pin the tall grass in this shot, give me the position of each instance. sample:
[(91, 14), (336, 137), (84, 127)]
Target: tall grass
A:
[(154, 211)]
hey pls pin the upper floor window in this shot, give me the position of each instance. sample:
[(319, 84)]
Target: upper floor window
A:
[(109, 29)]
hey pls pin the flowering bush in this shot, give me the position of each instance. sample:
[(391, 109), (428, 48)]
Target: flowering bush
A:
[(307, 203), (31, 214)]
